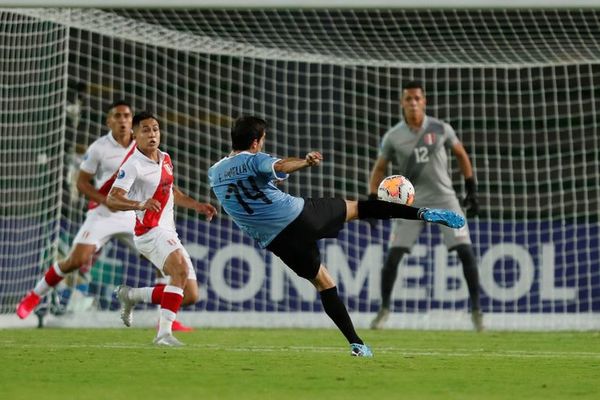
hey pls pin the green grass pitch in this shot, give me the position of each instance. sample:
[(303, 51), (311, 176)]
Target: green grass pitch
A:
[(297, 364)]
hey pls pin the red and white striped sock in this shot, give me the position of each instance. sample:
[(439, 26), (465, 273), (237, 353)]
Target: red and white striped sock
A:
[(52, 277), (171, 301), (157, 293)]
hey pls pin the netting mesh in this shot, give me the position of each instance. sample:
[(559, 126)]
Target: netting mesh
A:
[(32, 94), (458, 37)]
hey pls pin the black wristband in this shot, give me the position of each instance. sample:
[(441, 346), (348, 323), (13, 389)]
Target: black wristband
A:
[(373, 196), (471, 185)]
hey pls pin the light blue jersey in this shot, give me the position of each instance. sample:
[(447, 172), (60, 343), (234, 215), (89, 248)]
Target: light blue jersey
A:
[(243, 183)]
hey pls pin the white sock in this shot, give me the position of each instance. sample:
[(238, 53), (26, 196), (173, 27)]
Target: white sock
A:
[(141, 295), (163, 280), (165, 322), (42, 288)]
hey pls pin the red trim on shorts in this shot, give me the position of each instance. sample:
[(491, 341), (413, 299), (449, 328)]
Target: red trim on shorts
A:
[(105, 188), (162, 194)]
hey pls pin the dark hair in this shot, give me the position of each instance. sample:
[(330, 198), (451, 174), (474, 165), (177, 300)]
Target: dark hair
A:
[(117, 104), (142, 115), (413, 85), (245, 130)]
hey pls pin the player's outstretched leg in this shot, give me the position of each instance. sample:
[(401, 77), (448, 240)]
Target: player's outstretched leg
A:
[(127, 305), (440, 216), (360, 350), (385, 210), (336, 310)]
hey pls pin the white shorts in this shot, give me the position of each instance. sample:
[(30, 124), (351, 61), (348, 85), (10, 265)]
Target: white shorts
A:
[(157, 244), (101, 225), (406, 232)]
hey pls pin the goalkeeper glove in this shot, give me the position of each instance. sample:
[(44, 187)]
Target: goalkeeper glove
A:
[(470, 202), (372, 221)]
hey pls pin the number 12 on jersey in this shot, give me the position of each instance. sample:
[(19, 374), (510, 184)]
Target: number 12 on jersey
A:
[(421, 154)]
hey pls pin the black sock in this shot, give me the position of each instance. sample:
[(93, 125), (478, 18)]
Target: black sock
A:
[(336, 310), (385, 210), (389, 273), (469, 264)]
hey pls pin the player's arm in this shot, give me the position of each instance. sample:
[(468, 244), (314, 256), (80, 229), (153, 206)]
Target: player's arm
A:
[(183, 200), (377, 174), (470, 201), (117, 200), (464, 163), (85, 187), (292, 164)]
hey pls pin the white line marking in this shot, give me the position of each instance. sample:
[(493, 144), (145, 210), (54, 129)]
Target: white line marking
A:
[(308, 349)]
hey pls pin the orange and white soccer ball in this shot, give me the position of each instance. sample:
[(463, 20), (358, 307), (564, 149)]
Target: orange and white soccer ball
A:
[(396, 189)]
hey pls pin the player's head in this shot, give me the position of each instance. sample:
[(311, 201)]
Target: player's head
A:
[(248, 131), (146, 131), (118, 117), (413, 99)]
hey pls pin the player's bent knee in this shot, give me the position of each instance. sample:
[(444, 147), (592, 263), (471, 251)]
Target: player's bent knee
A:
[(189, 299), (312, 272), (308, 276), (191, 293), (75, 262)]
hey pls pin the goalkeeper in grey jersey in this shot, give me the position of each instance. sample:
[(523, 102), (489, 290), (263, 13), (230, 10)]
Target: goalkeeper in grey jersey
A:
[(417, 148)]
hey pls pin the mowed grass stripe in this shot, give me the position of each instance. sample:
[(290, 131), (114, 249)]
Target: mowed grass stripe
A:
[(434, 352)]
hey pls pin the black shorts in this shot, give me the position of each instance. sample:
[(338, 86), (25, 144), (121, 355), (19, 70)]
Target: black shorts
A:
[(297, 246)]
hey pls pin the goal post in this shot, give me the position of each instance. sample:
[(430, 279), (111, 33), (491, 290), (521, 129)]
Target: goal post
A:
[(520, 86), (33, 90)]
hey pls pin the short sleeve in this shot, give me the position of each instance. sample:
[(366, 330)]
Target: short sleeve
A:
[(91, 160), (386, 148), (126, 176), (264, 164), (451, 137)]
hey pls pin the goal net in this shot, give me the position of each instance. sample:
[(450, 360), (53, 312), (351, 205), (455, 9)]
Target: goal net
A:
[(519, 86)]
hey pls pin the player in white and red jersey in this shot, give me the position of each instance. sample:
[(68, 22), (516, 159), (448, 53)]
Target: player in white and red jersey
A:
[(145, 184), (100, 165)]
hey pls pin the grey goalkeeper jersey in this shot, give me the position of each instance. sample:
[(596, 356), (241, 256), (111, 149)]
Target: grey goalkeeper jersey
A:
[(422, 157)]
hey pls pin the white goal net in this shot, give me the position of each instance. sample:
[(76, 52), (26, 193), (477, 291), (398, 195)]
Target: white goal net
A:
[(521, 88)]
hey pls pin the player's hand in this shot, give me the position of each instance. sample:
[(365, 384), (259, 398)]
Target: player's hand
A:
[(313, 158), (372, 221), (150, 205), (471, 202), (207, 209)]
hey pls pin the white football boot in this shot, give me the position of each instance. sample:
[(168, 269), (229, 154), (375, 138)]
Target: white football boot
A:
[(168, 340), (122, 293)]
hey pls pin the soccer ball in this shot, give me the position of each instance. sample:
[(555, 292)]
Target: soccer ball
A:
[(396, 189)]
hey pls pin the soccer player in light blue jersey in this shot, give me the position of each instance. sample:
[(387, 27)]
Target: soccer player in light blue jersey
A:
[(417, 146), (290, 226)]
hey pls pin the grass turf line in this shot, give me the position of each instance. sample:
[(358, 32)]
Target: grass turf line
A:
[(297, 364)]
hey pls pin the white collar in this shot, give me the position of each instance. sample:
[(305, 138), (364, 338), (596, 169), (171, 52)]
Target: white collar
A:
[(145, 158)]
